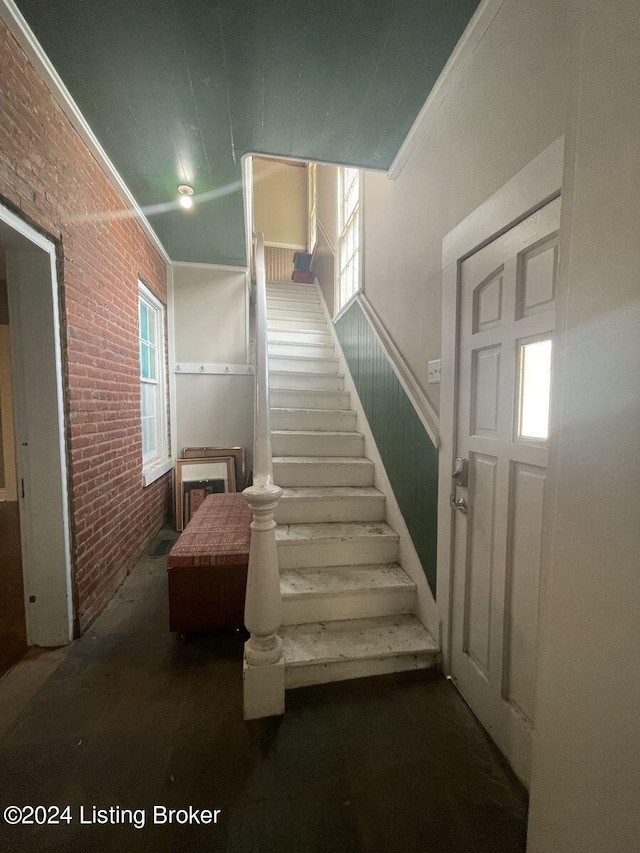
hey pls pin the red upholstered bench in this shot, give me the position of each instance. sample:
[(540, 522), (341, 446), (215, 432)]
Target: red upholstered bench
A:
[(207, 566)]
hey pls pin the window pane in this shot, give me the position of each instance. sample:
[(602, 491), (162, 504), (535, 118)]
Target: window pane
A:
[(534, 390), (148, 400), (349, 239), (349, 250), (147, 362), (144, 321), (148, 322), (152, 376), (153, 322), (149, 437)]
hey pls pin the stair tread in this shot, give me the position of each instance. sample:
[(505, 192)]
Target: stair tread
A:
[(324, 492), (354, 639), (301, 373), (293, 303), (327, 433), (322, 460), (330, 358), (300, 298), (327, 392), (299, 344), (332, 580), (289, 534), (293, 410)]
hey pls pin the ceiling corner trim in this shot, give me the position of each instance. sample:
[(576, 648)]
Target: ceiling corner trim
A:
[(204, 266), (469, 40), (25, 37)]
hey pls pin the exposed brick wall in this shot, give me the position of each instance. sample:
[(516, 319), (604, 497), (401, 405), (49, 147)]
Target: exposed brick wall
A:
[(48, 174)]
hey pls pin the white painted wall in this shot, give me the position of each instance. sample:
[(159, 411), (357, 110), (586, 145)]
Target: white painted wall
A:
[(506, 106), (531, 78), (280, 202), (209, 308), (585, 795)]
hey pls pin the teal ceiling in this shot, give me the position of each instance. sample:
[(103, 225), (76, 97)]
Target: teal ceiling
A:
[(178, 90)]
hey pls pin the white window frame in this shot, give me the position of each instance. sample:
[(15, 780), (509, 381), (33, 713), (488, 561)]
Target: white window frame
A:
[(156, 464), (352, 227)]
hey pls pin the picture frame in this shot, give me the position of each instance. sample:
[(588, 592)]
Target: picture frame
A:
[(217, 452), (193, 494), (207, 473)]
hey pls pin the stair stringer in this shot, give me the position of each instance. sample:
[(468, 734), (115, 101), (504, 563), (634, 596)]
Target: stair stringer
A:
[(427, 611)]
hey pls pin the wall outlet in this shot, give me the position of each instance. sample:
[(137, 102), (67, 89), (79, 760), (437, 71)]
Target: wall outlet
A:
[(434, 371)]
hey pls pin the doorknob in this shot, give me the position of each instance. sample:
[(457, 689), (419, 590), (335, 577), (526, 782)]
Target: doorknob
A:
[(459, 504)]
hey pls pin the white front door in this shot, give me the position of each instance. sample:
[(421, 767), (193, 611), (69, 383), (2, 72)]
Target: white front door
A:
[(507, 315)]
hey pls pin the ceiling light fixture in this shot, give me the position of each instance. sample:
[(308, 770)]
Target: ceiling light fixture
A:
[(185, 192)]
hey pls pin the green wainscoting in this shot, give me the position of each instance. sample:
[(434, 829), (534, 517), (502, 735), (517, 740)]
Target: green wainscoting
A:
[(409, 457)]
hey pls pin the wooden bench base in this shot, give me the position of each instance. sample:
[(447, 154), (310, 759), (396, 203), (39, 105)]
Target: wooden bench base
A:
[(207, 567)]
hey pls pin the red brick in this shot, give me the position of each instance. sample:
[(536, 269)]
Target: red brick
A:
[(48, 173)]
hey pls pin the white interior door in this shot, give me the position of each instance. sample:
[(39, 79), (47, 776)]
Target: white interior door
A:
[(507, 315)]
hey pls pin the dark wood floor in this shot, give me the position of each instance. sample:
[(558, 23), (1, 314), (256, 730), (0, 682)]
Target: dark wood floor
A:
[(136, 717), (13, 638)]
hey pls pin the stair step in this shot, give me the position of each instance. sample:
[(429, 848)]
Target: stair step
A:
[(309, 313), (294, 380), (312, 400), (295, 325), (303, 302), (287, 442), (301, 349), (325, 420), (303, 364), (291, 287), (302, 471), (320, 652), (340, 543), (305, 505), (302, 336), (345, 592)]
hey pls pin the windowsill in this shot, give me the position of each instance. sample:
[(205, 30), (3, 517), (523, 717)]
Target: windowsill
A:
[(155, 471)]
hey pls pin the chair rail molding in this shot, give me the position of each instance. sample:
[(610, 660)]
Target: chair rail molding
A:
[(419, 400)]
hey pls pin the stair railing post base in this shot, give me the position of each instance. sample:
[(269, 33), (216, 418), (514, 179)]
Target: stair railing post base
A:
[(263, 670), (263, 689)]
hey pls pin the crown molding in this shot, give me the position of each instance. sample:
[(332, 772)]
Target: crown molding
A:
[(25, 37), (222, 267)]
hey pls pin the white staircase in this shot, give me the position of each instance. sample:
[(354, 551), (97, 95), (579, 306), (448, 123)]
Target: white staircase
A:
[(348, 606)]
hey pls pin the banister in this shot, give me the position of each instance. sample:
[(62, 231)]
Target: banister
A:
[(263, 663), (262, 458)]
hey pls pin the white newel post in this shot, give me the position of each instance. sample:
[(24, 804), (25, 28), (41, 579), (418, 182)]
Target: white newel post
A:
[(263, 670)]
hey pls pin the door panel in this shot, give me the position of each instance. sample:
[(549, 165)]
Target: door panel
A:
[(486, 391), (480, 562), (523, 580), (506, 324)]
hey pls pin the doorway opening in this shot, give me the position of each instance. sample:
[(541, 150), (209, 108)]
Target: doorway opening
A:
[(35, 556), (13, 626)]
